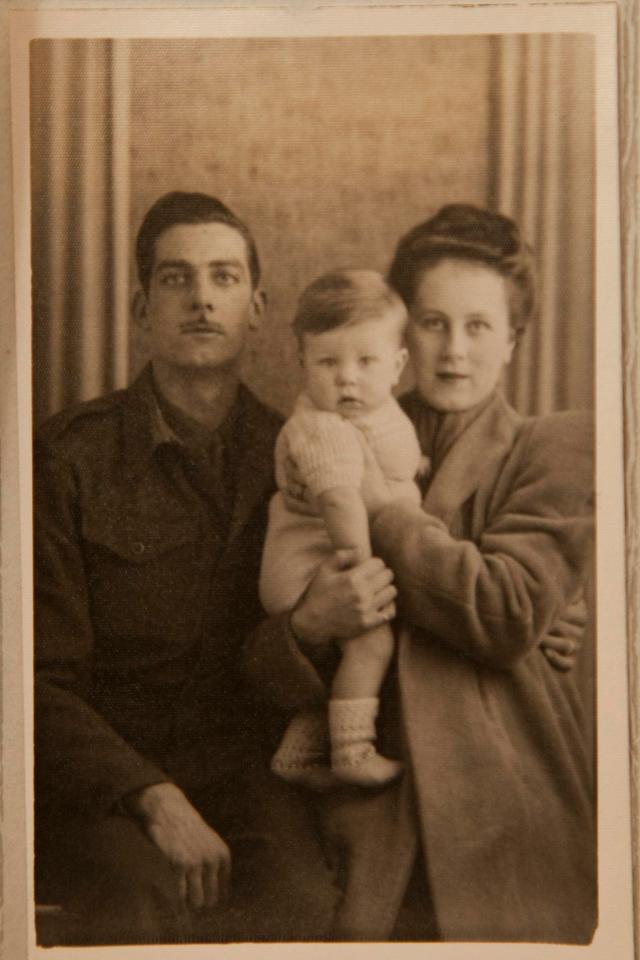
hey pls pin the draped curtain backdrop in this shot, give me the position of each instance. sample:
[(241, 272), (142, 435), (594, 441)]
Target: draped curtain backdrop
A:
[(535, 102), (542, 173), (506, 121), (80, 220)]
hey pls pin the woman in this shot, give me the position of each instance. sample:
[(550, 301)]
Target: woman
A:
[(490, 833)]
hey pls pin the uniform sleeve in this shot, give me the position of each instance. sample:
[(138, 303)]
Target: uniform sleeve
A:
[(276, 666), (495, 599), (81, 761), (326, 451)]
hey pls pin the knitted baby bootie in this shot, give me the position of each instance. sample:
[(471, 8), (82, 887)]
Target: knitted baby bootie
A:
[(354, 758), (302, 757)]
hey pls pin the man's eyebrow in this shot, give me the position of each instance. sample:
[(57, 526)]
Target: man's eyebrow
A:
[(186, 264)]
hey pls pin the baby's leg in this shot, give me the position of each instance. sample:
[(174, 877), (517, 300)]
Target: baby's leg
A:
[(364, 664), (353, 709)]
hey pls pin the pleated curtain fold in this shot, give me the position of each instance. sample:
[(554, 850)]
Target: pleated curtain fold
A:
[(80, 220), (540, 157), (541, 168)]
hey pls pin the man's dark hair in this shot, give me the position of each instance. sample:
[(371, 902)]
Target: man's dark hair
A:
[(178, 207), (465, 232)]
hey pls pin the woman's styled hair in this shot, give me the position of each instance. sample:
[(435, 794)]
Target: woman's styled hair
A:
[(345, 297), (465, 232), (177, 208)]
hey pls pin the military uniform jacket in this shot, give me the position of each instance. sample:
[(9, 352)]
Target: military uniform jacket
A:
[(497, 792), (142, 602)]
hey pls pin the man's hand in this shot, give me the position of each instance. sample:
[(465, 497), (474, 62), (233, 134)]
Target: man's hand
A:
[(201, 858), (343, 600)]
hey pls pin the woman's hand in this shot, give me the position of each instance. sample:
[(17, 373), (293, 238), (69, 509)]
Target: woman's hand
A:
[(563, 642), (343, 600)]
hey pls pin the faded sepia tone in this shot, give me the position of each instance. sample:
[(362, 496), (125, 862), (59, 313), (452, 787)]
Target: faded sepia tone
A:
[(114, 124), (332, 148)]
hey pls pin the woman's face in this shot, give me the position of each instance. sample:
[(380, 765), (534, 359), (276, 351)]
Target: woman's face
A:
[(459, 334)]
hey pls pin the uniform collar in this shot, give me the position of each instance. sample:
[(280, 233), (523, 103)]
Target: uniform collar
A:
[(146, 428)]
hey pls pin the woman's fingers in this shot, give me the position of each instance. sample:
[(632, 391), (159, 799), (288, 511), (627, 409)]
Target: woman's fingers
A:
[(563, 644), (385, 598), (559, 661), (387, 613)]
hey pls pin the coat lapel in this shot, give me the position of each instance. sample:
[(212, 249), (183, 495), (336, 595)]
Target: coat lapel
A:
[(472, 458)]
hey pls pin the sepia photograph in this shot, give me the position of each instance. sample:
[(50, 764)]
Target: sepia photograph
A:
[(266, 706)]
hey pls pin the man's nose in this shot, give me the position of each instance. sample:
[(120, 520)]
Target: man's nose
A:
[(202, 293)]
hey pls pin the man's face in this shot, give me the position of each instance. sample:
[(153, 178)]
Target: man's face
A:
[(201, 301)]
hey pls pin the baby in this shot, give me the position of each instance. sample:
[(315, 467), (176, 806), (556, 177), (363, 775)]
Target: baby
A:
[(350, 327)]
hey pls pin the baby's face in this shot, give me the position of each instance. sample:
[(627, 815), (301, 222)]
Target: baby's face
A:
[(352, 370)]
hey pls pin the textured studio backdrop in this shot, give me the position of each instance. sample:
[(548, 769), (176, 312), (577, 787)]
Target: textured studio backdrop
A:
[(330, 149)]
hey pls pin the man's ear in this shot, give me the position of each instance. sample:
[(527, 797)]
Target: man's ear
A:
[(258, 308), (139, 309)]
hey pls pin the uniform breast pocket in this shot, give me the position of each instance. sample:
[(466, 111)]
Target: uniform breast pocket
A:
[(145, 577)]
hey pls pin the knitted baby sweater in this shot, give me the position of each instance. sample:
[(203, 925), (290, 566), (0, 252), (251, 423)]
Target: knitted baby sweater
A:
[(328, 452)]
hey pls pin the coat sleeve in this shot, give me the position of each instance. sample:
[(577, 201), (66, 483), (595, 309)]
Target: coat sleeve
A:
[(277, 667), (81, 761), (494, 599)]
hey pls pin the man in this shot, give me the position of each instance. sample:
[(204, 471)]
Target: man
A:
[(150, 509)]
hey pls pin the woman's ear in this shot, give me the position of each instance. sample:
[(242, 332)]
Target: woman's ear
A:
[(511, 345), (139, 309)]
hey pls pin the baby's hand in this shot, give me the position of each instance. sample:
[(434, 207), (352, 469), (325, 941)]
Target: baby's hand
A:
[(424, 467), (296, 493)]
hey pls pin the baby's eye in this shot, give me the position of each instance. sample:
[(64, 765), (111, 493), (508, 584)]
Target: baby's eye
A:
[(367, 361)]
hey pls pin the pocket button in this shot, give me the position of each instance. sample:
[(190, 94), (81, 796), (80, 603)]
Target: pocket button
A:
[(138, 548)]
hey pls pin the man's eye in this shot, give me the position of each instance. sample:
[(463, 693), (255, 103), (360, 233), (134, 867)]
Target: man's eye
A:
[(176, 278), (226, 278)]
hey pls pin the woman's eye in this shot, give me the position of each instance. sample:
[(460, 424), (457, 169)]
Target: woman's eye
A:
[(431, 322), (477, 325)]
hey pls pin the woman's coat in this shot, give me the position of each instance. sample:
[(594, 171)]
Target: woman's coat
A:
[(497, 790)]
